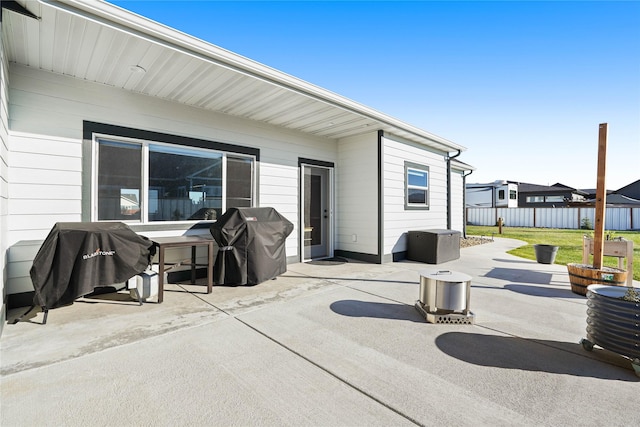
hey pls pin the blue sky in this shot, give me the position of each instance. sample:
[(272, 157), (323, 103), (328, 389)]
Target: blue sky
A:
[(522, 85)]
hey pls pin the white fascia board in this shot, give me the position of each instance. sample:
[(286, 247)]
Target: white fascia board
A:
[(129, 22), (462, 166)]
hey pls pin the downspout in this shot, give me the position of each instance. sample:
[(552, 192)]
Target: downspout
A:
[(464, 204), (449, 158)]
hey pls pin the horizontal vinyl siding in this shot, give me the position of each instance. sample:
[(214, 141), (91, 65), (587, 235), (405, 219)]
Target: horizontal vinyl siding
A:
[(4, 175), (42, 191), (46, 148), (397, 220), (357, 194)]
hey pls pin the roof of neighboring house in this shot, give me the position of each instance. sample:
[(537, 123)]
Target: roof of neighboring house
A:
[(633, 188), (102, 43), (619, 199), (556, 188), (611, 200)]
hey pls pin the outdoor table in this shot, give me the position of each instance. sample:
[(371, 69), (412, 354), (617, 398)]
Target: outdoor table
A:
[(165, 243)]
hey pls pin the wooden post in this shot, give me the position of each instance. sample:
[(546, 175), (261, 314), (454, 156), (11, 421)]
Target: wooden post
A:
[(601, 197)]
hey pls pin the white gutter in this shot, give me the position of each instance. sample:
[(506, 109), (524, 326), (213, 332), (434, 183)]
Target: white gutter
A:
[(115, 17)]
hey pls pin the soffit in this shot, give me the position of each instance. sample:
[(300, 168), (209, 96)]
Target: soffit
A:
[(99, 42)]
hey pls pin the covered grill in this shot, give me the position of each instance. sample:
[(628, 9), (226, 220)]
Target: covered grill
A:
[(251, 245), (77, 257)]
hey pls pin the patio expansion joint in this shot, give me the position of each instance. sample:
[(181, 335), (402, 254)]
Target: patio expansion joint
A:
[(342, 380), (328, 372)]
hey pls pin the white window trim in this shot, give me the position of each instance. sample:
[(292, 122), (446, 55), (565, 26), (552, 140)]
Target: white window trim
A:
[(420, 168)]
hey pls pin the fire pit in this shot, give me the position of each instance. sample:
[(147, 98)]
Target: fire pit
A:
[(444, 297)]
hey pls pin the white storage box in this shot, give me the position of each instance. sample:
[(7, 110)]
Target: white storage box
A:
[(143, 285)]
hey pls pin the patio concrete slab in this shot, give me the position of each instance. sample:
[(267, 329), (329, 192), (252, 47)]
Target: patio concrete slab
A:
[(327, 343), (221, 373)]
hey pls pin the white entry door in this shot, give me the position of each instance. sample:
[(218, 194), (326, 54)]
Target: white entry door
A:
[(316, 212)]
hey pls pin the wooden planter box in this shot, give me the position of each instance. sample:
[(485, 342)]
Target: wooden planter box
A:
[(621, 249)]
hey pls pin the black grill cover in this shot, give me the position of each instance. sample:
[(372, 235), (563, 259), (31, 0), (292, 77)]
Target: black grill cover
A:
[(251, 245), (77, 257)]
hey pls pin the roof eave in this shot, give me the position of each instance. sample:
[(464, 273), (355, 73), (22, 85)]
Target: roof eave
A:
[(124, 20)]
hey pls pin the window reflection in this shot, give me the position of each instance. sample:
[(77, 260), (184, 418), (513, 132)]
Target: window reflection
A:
[(184, 181), (119, 181)]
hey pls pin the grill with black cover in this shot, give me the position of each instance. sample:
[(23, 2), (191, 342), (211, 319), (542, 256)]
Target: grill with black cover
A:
[(251, 245), (77, 257)]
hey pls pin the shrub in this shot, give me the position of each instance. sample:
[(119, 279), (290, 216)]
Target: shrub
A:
[(585, 224)]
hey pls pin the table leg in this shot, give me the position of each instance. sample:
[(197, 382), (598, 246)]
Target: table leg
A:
[(210, 268), (160, 274), (193, 265)]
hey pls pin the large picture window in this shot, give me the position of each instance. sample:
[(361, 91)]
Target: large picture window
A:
[(150, 182), (416, 186)]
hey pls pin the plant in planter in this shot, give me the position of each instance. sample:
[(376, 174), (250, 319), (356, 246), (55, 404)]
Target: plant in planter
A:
[(632, 295), (583, 275), (612, 321)]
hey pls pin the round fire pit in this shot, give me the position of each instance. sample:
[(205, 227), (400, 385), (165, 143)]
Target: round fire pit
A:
[(444, 296)]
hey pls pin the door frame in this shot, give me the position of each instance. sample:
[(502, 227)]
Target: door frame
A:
[(329, 166)]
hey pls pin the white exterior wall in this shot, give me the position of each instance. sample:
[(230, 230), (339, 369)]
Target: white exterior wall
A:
[(397, 221), (4, 175), (45, 144), (457, 202), (357, 194)]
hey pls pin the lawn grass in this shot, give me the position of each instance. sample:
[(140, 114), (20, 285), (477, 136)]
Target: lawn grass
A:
[(569, 242)]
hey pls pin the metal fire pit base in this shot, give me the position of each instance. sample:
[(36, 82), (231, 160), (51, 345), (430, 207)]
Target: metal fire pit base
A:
[(439, 317)]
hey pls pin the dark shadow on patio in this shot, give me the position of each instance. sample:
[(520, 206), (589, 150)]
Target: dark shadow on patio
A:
[(543, 291), (554, 357), (518, 275), (378, 310)]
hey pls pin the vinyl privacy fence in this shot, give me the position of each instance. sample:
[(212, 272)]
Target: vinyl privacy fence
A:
[(615, 218)]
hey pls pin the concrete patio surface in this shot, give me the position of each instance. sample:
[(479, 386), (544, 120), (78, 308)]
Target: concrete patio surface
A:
[(325, 344)]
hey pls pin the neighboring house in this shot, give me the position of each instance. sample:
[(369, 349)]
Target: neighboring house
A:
[(631, 190), (627, 196), (556, 195), (590, 193), (106, 115), (497, 194)]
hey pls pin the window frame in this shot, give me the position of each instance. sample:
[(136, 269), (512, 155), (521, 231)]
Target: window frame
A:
[(556, 198), (144, 170), (419, 168), (535, 199)]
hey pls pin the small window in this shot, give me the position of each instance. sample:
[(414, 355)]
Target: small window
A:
[(416, 186), (513, 194), (501, 194), (535, 199), (554, 199)]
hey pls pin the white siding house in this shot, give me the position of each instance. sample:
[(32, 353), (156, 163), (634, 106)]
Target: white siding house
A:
[(88, 77), (4, 172)]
